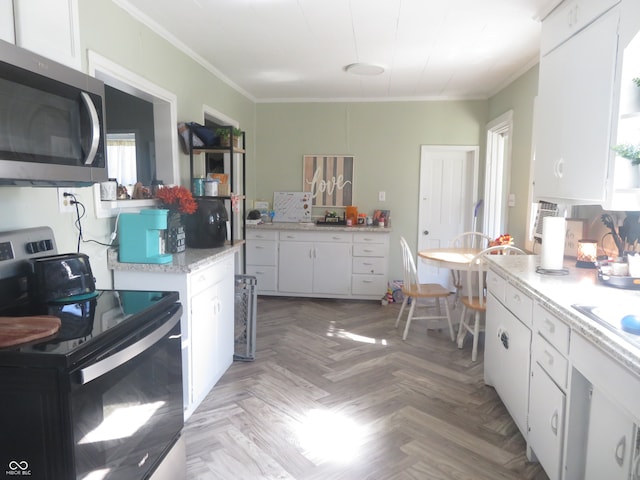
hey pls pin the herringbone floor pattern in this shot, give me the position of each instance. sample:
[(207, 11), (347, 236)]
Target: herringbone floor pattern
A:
[(334, 393)]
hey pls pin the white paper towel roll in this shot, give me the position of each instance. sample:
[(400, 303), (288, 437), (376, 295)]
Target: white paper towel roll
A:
[(554, 231)]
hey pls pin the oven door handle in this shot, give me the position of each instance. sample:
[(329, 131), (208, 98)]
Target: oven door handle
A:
[(112, 362)]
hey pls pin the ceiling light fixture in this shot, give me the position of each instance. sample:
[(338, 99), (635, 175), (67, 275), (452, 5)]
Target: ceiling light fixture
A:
[(364, 69)]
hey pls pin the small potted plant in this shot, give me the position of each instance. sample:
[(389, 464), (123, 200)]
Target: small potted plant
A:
[(629, 151), (224, 134)]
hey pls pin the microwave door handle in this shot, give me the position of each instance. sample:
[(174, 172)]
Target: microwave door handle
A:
[(95, 127), (112, 362)]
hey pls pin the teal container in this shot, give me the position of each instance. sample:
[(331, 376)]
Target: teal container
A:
[(141, 237)]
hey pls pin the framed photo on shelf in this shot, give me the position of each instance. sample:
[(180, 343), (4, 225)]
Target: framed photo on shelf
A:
[(382, 216), (329, 179)]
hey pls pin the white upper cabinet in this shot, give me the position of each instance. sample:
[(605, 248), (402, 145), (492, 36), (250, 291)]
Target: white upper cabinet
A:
[(586, 104), (47, 27), (568, 18), (574, 111), (7, 33)]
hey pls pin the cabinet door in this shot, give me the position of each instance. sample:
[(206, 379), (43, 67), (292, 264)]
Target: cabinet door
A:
[(7, 32), (332, 268), (261, 252), (506, 360), (49, 28), (574, 112), (609, 444), (546, 421), (225, 338), (205, 310), (295, 267)]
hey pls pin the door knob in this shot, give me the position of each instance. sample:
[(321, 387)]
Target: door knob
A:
[(426, 232)]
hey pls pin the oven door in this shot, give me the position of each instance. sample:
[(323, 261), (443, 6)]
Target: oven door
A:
[(127, 405)]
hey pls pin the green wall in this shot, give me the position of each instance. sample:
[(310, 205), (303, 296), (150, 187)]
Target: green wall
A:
[(519, 96), (384, 137)]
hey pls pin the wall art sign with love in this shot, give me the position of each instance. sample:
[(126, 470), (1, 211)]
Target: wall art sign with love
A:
[(329, 179)]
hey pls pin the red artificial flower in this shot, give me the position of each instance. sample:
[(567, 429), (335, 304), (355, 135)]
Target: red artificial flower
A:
[(177, 198)]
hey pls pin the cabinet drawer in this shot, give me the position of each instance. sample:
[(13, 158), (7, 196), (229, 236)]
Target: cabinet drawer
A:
[(253, 234), (369, 238), (569, 18), (368, 285), (266, 277), (552, 328), (551, 360), (208, 276), (262, 252), (369, 265), (294, 236), (496, 285), (362, 250), (519, 303)]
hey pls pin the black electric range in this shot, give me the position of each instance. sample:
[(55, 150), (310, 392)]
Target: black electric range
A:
[(101, 397)]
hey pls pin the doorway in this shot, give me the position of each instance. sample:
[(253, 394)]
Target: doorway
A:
[(496, 179), (448, 195)]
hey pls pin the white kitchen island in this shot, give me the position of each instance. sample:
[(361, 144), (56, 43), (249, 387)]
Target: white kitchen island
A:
[(571, 383), (204, 278)]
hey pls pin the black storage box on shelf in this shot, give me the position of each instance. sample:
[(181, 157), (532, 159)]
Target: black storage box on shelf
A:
[(245, 317)]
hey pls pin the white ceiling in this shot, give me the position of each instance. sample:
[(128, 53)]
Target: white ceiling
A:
[(289, 50)]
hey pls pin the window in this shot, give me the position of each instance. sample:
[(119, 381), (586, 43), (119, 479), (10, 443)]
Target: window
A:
[(121, 157), (161, 145)]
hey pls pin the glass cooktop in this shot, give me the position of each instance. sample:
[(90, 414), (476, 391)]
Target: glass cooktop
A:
[(89, 320)]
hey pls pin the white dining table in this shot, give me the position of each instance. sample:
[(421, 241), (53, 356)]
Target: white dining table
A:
[(456, 259)]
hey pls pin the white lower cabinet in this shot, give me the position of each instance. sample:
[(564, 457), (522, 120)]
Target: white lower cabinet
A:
[(212, 327), (369, 268), (546, 421), (610, 442), (314, 263), (262, 259), (319, 263), (507, 359), (207, 297)]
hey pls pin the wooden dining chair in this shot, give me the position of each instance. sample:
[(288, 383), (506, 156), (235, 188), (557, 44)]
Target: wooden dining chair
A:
[(413, 290), (471, 240), (475, 300)]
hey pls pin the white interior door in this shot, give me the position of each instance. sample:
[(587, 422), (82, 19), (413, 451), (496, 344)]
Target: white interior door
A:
[(448, 194)]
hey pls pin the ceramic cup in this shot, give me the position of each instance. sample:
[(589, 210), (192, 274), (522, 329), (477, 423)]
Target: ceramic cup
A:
[(620, 269), (108, 191), (634, 265)]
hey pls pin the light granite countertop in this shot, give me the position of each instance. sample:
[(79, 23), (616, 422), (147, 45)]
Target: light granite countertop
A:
[(184, 262), (558, 293), (310, 227)]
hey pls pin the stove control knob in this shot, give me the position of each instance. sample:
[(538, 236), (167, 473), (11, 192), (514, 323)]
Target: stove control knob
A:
[(32, 247), (45, 245)]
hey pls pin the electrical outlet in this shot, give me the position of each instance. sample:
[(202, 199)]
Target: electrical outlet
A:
[(382, 196), (64, 203)]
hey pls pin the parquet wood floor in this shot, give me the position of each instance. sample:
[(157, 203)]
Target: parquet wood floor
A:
[(335, 394)]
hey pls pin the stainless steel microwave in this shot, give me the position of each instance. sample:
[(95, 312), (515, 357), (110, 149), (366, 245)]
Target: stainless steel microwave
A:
[(52, 127)]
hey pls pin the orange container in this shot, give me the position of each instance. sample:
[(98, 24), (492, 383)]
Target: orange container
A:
[(352, 214)]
